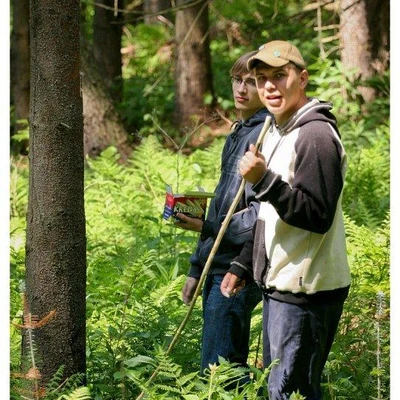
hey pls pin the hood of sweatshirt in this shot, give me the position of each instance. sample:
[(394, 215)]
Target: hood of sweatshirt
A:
[(314, 110), (242, 128)]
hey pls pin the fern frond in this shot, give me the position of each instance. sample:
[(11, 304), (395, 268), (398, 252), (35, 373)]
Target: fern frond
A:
[(191, 397), (33, 322), (366, 196), (167, 388), (81, 393), (56, 380), (166, 292), (187, 379), (167, 368)]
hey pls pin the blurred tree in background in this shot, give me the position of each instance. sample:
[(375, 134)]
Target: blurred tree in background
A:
[(169, 61)]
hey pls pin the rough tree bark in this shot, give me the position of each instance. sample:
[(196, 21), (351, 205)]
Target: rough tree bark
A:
[(56, 241), (193, 61), (364, 29), (107, 30), (153, 9), (102, 123), (19, 62)]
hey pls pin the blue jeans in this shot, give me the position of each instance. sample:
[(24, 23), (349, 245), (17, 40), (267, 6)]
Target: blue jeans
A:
[(226, 328), (300, 337)]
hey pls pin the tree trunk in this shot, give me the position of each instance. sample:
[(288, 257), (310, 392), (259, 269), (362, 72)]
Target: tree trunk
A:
[(107, 30), (102, 124), (19, 63), (364, 28), (153, 11), (193, 61), (56, 241)]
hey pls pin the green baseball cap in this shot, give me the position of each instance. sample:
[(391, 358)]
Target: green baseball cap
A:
[(277, 54)]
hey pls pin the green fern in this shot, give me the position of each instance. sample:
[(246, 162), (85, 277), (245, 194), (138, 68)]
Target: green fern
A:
[(351, 368), (82, 393), (71, 388), (137, 265), (366, 193)]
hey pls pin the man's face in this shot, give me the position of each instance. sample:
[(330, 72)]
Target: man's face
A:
[(282, 90), (245, 94)]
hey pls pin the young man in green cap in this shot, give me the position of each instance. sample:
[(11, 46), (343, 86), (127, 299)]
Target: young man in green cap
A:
[(298, 253)]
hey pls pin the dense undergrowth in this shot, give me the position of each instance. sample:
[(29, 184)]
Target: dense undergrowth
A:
[(136, 267)]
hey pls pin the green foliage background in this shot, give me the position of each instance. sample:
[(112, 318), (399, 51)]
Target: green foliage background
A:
[(137, 262)]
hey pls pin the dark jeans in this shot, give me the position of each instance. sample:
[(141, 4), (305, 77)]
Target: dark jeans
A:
[(226, 328), (300, 337)]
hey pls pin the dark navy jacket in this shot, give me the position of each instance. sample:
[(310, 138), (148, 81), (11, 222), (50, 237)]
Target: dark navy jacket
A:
[(241, 224)]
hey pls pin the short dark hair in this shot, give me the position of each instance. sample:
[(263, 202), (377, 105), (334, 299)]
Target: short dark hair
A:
[(240, 65)]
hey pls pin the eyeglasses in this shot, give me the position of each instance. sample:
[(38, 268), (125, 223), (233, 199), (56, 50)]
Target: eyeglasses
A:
[(237, 80)]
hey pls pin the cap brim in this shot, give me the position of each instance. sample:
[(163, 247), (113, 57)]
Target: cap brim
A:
[(271, 61)]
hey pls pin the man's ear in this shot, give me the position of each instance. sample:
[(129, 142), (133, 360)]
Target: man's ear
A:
[(304, 78)]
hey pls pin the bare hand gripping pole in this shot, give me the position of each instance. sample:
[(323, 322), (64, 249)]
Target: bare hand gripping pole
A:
[(210, 258)]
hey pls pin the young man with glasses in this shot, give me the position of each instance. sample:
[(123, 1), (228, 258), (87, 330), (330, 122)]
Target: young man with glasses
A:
[(226, 327)]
